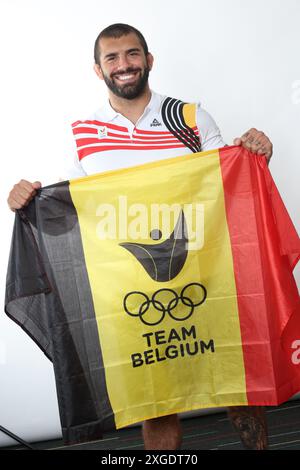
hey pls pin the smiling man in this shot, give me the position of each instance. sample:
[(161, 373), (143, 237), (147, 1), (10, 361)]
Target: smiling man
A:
[(135, 126), (128, 84)]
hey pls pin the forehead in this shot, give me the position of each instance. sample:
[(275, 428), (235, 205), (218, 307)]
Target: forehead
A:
[(116, 45)]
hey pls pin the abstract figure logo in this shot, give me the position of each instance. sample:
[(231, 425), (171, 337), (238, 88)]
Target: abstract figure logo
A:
[(163, 261)]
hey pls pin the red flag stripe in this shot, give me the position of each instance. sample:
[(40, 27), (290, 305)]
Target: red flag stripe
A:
[(271, 296)]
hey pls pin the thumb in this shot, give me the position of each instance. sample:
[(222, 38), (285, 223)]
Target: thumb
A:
[(237, 141), (37, 185)]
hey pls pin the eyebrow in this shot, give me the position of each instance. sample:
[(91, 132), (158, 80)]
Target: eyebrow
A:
[(134, 49)]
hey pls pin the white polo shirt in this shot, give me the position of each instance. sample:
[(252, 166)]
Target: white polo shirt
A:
[(167, 128)]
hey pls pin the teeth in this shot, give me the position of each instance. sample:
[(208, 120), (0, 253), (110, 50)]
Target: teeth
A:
[(125, 77)]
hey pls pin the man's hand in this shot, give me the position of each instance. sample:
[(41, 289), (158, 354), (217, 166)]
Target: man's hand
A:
[(257, 142), (22, 193)]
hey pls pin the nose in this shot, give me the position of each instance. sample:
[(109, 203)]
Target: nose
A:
[(123, 62)]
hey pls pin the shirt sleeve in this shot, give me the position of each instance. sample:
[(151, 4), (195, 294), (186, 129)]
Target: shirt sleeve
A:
[(210, 135), (74, 170)]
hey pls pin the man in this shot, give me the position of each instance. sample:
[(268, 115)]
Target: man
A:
[(136, 126)]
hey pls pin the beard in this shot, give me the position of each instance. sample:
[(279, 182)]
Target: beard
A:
[(128, 91)]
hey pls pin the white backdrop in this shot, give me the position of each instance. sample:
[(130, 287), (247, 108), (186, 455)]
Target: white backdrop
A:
[(240, 59)]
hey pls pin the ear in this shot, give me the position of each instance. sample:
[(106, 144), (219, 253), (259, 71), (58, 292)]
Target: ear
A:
[(98, 71), (150, 60)]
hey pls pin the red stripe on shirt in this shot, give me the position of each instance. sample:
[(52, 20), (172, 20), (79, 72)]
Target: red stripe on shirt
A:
[(153, 138), (102, 124), (90, 150), (161, 138), (141, 131), (100, 142)]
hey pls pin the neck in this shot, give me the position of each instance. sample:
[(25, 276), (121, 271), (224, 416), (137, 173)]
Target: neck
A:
[(131, 109)]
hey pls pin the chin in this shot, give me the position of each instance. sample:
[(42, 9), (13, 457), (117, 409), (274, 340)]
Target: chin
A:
[(130, 94)]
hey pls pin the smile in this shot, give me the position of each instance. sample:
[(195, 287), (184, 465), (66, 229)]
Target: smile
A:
[(126, 77)]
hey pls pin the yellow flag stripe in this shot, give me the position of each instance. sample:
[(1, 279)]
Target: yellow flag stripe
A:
[(173, 365)]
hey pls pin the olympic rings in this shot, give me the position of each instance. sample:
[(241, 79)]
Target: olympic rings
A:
[(140, 309)]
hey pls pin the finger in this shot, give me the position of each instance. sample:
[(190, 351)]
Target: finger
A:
[(248, 134), (11, 204), (23, 192), (255, 136), (261, 143), (14, 204), (245, 136), (237, 141), (37, 185), (248, 145), (25, 189), (26, 185), (256, 141), (265, 147), (259, 137), (18, 198)]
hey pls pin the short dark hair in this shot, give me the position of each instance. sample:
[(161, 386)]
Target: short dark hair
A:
[(118, 30)]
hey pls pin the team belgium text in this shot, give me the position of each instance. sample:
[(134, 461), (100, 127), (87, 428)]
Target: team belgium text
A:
[(178, 344)]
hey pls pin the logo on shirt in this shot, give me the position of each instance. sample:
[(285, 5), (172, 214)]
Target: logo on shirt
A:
[(102, 132), (155, 123)]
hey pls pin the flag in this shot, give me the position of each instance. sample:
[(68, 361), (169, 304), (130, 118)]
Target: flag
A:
[(159, 289)]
